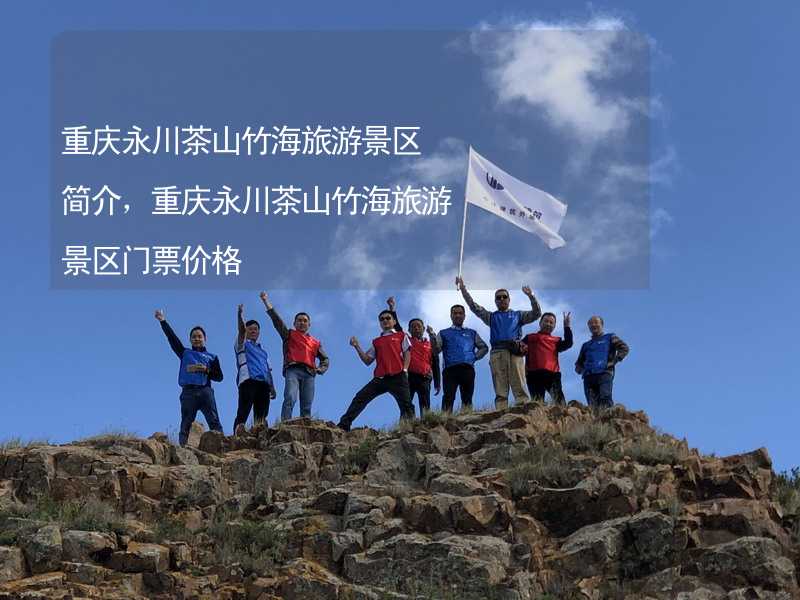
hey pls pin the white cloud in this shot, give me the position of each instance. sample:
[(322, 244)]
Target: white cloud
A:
[(352, 262), (605, 236), (445, 165), (658, 220), (560, 68), (660, 171)]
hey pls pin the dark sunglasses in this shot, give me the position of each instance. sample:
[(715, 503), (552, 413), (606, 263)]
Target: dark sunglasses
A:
[(501, 297), (386, 318)]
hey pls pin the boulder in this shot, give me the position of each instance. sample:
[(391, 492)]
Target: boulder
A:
[(42, 549), (86, 546), (745, 561), (12, 564), (456, 485), (141, 558)]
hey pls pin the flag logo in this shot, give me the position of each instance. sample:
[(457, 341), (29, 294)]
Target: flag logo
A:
[(514, 204), (493, 183)]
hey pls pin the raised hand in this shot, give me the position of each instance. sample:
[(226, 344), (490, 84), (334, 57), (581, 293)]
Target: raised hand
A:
[(460, 283), (160, 315), (240, 308), (567, 319), (392, 303), (265, 300), (354, 342), (526, 289)]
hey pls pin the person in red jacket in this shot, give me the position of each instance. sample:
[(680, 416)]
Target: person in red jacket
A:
[(542, 371), (391, 351), (424, 364), (301, 351)]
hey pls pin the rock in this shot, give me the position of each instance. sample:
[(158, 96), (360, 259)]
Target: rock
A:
[(213, 442), (35, 475), (141, 558), (591, 549), (26, 588), (241, 468), (180, 555), (182, 456), (745, 561), (727, 519), (638, 545), (747, 475), (480, 514), (459, 565), (565, 510), (331, 501), (383, 530), (652, 543), (456, 485), (42, 549), (85, 546), (346, 542), (398, 459), (470, 514), (12, 564), (427, 514), (435, 465), (361, 503), (151, 486), (195, 434), (76, 572), (417, 512), (306, 431), (285, 463)]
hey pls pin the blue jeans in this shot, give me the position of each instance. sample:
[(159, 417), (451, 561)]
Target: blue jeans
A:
[(193, 399), (299, 384), (598, 388)]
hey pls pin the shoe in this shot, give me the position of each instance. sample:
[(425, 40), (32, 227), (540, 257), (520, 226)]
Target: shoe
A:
[(240, 430), (342, 426)]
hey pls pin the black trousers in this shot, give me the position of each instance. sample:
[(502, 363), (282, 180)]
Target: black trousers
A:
[(421, 386), (598, 388), (197, 398), (396, 385), (458, 377), (253, 394), (542, 381)]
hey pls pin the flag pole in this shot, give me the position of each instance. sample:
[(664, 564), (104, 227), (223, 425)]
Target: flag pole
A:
[(463, 228)]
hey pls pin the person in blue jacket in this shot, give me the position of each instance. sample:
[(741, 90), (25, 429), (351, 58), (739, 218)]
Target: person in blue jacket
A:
[(198, 369), (253, 374), (461, 347), (506, 360), (596, 362)]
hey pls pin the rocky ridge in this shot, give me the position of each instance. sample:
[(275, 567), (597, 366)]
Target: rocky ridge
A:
[(528, 503)]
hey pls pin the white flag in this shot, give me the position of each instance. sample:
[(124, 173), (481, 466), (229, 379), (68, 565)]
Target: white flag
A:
[(529, 208)]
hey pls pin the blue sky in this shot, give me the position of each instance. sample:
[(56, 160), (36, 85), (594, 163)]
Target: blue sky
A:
[(713, 336)]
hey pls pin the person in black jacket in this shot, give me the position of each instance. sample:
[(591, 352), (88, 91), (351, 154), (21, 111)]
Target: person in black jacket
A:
[(197, 370)]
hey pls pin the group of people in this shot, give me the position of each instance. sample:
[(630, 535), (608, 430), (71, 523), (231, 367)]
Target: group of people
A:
[(406, 364), (303, 360)]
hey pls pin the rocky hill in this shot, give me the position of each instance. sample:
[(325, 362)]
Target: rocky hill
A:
[(529, 503)]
